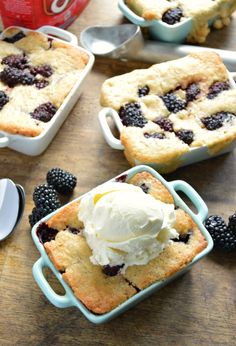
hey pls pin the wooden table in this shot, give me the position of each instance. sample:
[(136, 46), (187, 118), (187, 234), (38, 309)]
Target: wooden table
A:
[(197, 309)]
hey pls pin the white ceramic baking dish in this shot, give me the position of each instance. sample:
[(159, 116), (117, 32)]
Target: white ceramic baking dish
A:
[(69, 299), (36, 145), (194, 155)]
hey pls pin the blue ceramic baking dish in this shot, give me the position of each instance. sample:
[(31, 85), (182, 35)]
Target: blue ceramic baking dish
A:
[(69, 299), (158, 29)]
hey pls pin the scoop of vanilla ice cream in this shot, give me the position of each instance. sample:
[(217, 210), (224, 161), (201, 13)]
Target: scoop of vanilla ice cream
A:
[(124, 226)]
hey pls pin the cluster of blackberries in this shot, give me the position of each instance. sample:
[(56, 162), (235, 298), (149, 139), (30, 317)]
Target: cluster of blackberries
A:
[(45, 196), (224, 236)]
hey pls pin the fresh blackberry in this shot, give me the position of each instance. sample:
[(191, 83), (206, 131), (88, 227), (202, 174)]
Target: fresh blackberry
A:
[(217, 88), (185, 135), (11, 76), (192, 92), (154, 135), (44, 70), (3, 99), (173, 103), (217, 120), (44, 112), (222, 236), (46, 197), (19, 61), (112, 270), (131, 115), (165, 124), (62, 181), (36, 215), (14, 38), (172, 16), (232, 224), (143, 91), (41, 83), (46, 233)]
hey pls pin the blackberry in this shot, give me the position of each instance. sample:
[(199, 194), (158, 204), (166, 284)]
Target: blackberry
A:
[(122, 178), (217, 120), (3, 99), (192, 92), (46, 233), (14, 38), (41, 83), (62, 181), (45, 197), (165, 124), (154, 135), (232, 224), (217, 88), (19, 61), (172, 16), (144, 187), (112, 270), (143, 91), (36, 215), (173, 103), (185, 135), (131, 115), (44, 112), (74, 230), (222, 236), (184, 238), (27, 78), (44, 70), (11, 76)]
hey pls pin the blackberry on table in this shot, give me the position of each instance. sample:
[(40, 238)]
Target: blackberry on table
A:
[(62, 181), (172, 16), (143, 91), (232, 224), (131, 115), (192, 92), (3, 99), (173, 103), (217, 88), (222, 235), (19, 61), (14, 38), (186, 136), (217, 120), (45, 197), (36, 215), (44, 112), (165, 124)]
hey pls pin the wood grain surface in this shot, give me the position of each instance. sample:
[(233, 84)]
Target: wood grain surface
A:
[(197, 309)]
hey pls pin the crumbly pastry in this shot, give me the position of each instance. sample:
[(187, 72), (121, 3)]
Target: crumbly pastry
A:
[(95, 288), (173, 107), (36, 75), (174, 11)]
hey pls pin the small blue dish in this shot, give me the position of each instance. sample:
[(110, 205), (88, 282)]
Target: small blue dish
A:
[(69, 299)]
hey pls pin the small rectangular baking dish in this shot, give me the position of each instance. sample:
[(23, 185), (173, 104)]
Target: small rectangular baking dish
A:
[(69, 299), (194, 155), (36, 145), (160, 30)]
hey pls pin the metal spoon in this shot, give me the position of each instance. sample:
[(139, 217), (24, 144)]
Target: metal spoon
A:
[(126, 41)]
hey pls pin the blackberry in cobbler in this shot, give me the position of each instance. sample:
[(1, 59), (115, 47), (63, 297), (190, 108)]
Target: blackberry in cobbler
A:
[(44, 70), (112, 270), (192, 91), (19, 61), (11, 76), (4, 99), (184, 237), (154, 135), (144, 187), (165, 124), (46, 233), (132, 115), (172, 16), (217, 88), (41, 83), (63, 182), (143, 91), (173, 103), (27, 78), (217, 120), (14, 38), (44, 112), (186, 136)]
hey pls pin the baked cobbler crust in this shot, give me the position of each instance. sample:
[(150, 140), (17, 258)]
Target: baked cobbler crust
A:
[(98, 291), (66, 63)]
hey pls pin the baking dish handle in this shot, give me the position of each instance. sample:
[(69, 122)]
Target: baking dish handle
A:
[(56, 299), (103, 116), (4, 142), (59, 33), (195, 198), (134, 18)]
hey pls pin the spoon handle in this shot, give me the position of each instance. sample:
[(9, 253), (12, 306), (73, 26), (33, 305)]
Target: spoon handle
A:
[(160, 51)]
